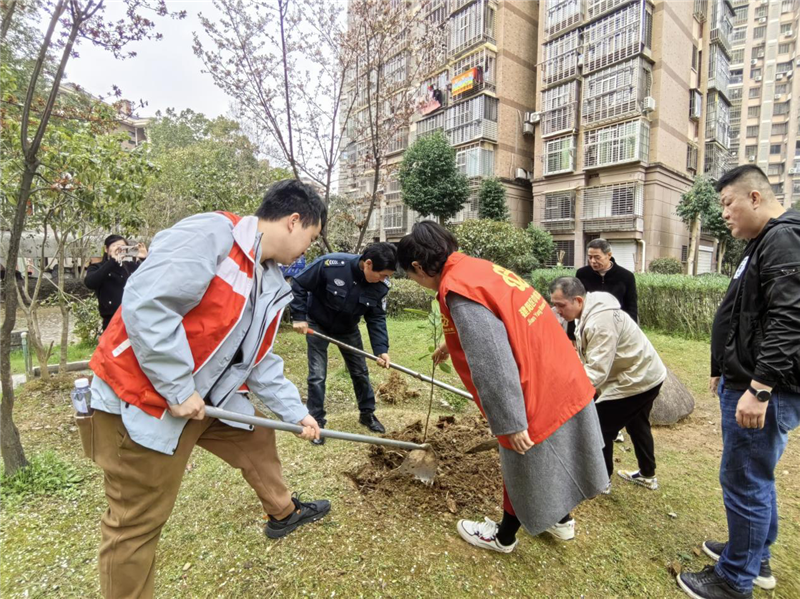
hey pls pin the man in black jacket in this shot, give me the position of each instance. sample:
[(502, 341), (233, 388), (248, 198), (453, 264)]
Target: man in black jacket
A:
[(755, 370), (604, 274), (330, 296)]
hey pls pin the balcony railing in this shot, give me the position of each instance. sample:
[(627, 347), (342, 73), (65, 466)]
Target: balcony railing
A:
[(614, 93), (618, 207), (614, 38), (560, 15)]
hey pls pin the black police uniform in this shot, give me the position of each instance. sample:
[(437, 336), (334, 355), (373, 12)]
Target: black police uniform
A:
[(332, 295)]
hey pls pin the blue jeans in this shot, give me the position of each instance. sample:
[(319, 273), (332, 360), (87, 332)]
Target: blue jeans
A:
[(747, 476), (318, 372)]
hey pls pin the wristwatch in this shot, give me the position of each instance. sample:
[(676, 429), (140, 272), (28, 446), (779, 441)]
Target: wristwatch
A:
[(761, 394)]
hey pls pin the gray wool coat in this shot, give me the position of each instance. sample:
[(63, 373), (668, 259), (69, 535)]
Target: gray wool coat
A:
[(553, 476)]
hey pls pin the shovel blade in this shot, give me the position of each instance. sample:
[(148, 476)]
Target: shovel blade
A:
[(421, 464)]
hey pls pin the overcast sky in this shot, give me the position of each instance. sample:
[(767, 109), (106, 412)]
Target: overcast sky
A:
[(164, 74)]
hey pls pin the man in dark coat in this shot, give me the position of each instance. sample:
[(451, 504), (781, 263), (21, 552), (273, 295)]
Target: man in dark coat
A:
[(604, 274)]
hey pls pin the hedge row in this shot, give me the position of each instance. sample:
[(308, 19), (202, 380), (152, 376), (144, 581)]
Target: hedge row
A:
[(674, 304), (405, 293)]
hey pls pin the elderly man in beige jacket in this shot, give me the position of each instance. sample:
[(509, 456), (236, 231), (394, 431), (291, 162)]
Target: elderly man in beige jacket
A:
[(624, 368)]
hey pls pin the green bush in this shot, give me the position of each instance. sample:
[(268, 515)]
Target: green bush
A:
[(46, 474), (496, 241), (405, 293), (674, 304), (666, 266), (88, 324)]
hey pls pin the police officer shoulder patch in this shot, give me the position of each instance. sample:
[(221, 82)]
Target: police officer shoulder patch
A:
[(333, 262), (387, 282)]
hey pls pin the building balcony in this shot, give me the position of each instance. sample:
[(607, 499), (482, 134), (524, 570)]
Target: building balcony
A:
[(629, 222), (617, 207), (559, 225), (480, 129)]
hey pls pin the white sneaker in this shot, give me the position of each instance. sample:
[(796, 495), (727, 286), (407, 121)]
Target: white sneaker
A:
[(620, 438), (607, 490), (563, 532), (635, 477), (483, 534)]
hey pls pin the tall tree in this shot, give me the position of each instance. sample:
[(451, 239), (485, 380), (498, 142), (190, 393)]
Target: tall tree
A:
[(492, 200), (695, 204), (69, 22), (715, 224), (430, 179)]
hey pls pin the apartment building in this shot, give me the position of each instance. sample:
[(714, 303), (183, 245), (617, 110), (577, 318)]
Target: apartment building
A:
[(633, 103), (478, 93), (765, 112)]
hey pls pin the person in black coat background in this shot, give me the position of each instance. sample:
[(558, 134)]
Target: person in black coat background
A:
[(604, 274), (107, 278)]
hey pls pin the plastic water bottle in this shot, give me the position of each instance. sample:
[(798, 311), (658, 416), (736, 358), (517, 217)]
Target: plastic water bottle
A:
[(82, 397)]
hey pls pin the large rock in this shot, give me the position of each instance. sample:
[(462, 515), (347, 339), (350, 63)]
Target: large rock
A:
[(673, 404)]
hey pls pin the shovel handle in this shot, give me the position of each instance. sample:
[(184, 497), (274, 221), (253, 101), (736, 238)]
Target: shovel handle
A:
[(297, 429), (403, 369)]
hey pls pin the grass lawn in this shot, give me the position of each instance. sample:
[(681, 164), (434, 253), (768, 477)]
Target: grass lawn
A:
[(75, 353), (371, 546)]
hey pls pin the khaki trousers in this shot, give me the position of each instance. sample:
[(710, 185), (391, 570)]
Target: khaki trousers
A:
[(142, 485)]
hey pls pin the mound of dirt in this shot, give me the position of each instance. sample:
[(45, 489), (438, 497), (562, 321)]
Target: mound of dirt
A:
[(395, 390), (465, 481)]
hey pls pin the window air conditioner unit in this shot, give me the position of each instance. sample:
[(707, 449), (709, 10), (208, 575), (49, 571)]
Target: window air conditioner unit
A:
[(754, 62), (580, 60), (762, 20), (779, 76), (527, 128), (751, 159), (789, 74), (534, 117), (522, 174), (649, 104), (757, 79), (793, 171), (789, 33), (777, 96)]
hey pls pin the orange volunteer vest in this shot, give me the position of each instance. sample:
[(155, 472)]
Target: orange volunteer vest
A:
[(207, 325), (554, 384)]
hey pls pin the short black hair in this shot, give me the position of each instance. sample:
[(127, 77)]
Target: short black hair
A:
[(736, 174), (289, 196), (382, 254), (571, 287), (599, 244), (430, 244)]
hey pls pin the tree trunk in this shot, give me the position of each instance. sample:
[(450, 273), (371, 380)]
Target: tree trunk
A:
[(723, 246), (694, 236), (10, 444), (64, 306)]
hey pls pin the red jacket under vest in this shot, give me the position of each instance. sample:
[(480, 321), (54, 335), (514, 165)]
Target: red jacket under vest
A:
[(554, 383), (206, 325)]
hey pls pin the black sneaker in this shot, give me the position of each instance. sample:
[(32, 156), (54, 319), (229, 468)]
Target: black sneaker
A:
[(372, 423), (302, 514), (765, 580), (707, 584)]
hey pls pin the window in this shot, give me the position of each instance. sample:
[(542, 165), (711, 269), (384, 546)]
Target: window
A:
[(786, 48), (783, 67), (471, 25), (755, 92), (560, 108), (615, 92), (775, 148), (780, 129), (787, 6), (694, 58), (399, 141), (719, 69), (777, 189), (695, 104), (610, 207), (393, 217), (751, 151), (737, 56), (786, 29), (559, 207), (475, 161), (753, 112), (718, 119), (739, 35), (473, 119), (752, 131), (759, 32), (613, 38), (796, 187), (740, 16), (617, 144), (757, 52), (684, 253), (561, 58), (782, 88), (761, 11), (780, 108), (562, 14), (559, 155), (735, 95), (563, 253), (755, 74), (736, 76), (691, 158)]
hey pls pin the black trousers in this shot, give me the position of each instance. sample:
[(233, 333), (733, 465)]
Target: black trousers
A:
[(633, 414)]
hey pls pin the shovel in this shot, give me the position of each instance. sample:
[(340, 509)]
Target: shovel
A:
[(402, 369), (421, 461)]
